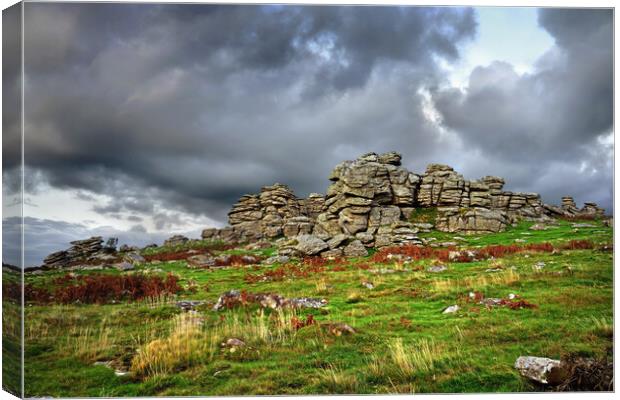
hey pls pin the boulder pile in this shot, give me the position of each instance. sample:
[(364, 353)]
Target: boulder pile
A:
[(86, 250), (373, 202)]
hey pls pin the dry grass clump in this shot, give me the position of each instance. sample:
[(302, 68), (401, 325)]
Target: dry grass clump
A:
[(412, 358), (322, 287), (185, 346), (337, 381), (90, 344), (603, 326), (190, 342)]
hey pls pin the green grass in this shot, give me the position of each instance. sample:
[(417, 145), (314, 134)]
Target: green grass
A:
[(424, 215), (470, 351)]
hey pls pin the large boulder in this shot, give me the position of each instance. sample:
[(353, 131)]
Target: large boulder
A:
[(355, 249), (310, 245)]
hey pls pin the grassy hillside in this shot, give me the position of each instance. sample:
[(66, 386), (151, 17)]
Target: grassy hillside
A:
[(402, 343)]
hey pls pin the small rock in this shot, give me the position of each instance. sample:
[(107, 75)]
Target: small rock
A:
[(539, 265), (276, 260), (491, 302), (200, 261), (582, 225), (368, 285), (307, 302), (520, 241), (538, 227), (512, 296), (233, 342), (540, 369), (123, 266), (188, 305), (437, 268), (451, 309), (339, 329)]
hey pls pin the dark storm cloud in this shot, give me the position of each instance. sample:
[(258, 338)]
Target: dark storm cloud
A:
[(555, 119), (192, 106)]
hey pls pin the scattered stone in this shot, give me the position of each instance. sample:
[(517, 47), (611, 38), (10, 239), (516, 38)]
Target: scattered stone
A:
[(437, 268), (583, 225), (200, 261), (339, 328), (520, 241), (539, 227), (368, 285), (307, 302), (233, 342), (539, 265), (463, 256), (451, 309), (491, 302), (276, 260), (541, 369), (234, 298), (189, 305), (123, 266)]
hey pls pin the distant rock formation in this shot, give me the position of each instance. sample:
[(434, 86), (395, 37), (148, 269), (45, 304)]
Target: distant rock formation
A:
[(370, 202), (81, 250)]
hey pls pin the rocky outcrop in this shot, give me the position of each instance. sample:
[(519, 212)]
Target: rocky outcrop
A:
[(87, 251), (176, 240), (373, 202), (269, 214)]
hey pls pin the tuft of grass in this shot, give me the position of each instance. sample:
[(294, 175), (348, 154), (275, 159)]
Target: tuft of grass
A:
[(354, 297), (321, 287), (337, 381), (90, 344), (184, 347), (603, 327), (410, 359)]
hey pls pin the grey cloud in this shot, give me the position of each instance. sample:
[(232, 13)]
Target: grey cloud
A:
[(557, 115), (193, 106)]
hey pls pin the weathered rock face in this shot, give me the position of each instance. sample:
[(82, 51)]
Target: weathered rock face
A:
[(474, 220), (366, 194)]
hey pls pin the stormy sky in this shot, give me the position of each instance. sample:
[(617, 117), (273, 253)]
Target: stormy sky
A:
[(146, 120)]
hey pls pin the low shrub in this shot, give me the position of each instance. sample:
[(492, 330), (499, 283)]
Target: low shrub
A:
[(100, 289)]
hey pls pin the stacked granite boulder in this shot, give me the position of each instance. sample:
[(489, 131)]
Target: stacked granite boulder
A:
[(363, 204), (81, 251), (276, 211)]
